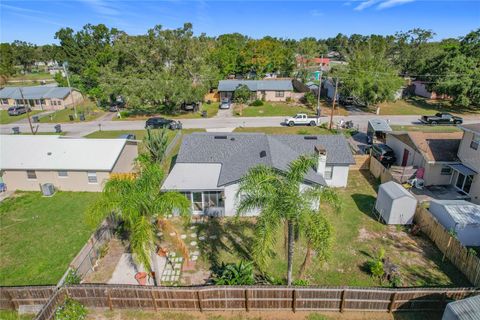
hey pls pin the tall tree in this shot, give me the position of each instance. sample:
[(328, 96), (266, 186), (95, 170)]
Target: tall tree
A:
[(138, 202), (6, 60), (282, 200)]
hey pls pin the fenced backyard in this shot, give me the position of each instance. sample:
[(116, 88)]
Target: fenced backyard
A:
[(246, 298)]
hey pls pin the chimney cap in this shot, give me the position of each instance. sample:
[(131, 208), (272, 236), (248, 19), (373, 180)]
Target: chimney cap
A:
[(320, 149)]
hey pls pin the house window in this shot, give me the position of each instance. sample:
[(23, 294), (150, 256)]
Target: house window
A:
[(328, 172), (37, 102), (92, 177), (475, 141), (446, 171), (4, 101), (31, 175), (197, 201), (464, 183), (213, 199), (62, 174), (279, 94)]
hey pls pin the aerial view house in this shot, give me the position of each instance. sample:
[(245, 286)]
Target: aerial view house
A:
[(267, 90), (209, 166), (27, 162), (466, 176), (40, 97), (432, 153)]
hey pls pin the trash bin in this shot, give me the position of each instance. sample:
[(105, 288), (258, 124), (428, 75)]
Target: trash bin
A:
[(58, 128), (36, 119), (82, 117), (204, 114), (70, 117), (16, 130)]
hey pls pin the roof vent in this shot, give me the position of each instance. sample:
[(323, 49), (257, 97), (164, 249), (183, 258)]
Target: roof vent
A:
[(263, 154), (49, 153), (221, 137), (232, 139), (310, 138)]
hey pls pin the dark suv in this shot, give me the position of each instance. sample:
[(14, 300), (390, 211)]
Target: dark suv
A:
[(18, 110), (384, 154), (157, 122)]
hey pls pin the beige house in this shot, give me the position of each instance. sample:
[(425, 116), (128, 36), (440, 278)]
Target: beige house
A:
[(466, 176), (27, 162), (267, 90), (40, 97)]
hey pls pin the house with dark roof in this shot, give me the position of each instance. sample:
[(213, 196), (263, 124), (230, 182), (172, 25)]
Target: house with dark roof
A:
[(40, 97), (209, 166), (267, 90), (466, 177)]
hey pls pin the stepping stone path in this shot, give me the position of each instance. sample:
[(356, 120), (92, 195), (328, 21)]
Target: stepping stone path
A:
[(183, 236), (193, 243), (193, 235), (213, 237)]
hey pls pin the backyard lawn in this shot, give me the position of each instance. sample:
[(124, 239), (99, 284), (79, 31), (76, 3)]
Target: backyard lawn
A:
[(271, 109), (6, 119), (421, 106), (87, 107), (138, 133), (41, 235), (212, 110)]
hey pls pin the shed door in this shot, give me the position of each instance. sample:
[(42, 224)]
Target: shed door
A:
[(405, 157)]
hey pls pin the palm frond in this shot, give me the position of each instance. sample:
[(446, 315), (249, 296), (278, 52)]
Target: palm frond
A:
[(168, 228), (142, 237), (299, 167)]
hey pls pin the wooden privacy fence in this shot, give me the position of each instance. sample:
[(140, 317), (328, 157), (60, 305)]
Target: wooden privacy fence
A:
[(466, 261), (362, 162), (15, 297), (219, 298)]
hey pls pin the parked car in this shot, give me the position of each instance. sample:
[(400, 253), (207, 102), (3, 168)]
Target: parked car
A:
[(158, 122), (225, 104), (17, 110), (116, 106), (301, 119), (128, 136), (190, 106), (441, 118), (384, 154)]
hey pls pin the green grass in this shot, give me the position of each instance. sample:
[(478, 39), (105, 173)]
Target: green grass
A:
[(138, 133), (285, 130), (32, 76), (88, 108), (421, 106), (212, 110), (425, 128), (271, 109), (6, 119), (41, 235), (13, 315)]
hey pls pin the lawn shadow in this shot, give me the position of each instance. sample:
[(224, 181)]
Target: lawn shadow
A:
[(439, 106), (365, 203)]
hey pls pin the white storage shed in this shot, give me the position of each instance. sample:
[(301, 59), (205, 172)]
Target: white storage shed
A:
[(395, 204), (465, 309), (461, 216)]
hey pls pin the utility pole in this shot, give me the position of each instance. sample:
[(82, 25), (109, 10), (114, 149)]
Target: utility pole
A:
[(333, 104), (28, 113), (65, 64), (319, 87)]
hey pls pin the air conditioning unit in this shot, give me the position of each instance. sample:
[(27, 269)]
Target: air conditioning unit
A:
[(48, 189)]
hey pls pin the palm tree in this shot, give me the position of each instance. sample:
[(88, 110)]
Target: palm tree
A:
[(282, 199), (138, 202)]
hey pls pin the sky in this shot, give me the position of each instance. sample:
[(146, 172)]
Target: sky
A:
[(37, 21)]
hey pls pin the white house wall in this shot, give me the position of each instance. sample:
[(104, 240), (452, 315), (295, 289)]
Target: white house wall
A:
[(339, 177)]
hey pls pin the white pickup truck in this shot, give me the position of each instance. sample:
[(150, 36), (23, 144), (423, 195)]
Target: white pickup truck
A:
[(301, 119)]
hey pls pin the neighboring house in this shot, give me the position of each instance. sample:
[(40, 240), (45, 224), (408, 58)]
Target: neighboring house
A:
[(432, 152), (26, 162), (268, 90), (40, 97), (318, 62), (466, 175), (210, 166), (420, 89)]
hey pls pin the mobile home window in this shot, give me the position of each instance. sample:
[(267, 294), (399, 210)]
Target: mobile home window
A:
[(446, 171), (475, 142), (279, 94), (328, 172), (31, 175), (92, 177), (62, 173)]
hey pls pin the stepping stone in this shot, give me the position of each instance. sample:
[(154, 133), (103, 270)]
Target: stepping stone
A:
[(169, 216), (164, 278), (213, 237), (173, 254), (178, 265), (177, 272), (192, 227), (201, 238), (183, 236), (193, 235), (159, 234), (175, 278), (172, 234), (196, 253), (194, 258), (193, 243)]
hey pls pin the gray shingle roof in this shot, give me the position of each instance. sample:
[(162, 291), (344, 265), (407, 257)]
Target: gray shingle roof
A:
[(238, 152), (256, 85), (35, 92)]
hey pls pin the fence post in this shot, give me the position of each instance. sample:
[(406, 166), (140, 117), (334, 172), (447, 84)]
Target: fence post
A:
[(294, 300), (247, 305), (342, 302), (153, 300), (199, 298), (392, 301), (13, 303), (109, 299)]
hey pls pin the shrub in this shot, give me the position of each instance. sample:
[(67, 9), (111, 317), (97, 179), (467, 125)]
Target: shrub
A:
[(289, 99), (71, 310), (234, 274), (300, 282), (72, 277), (241, 94), (256, 103), (309, 99)]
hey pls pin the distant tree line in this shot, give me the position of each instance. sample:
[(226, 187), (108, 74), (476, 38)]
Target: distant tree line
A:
[(163, 68)]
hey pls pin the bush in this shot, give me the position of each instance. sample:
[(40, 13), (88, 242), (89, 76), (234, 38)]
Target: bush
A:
[(241, 94), (234, 274), (300, 282), (72, 277), (309, 99), (256, 103), (71, 310)]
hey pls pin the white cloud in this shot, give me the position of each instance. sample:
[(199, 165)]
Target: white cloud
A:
[(392, 3), (316, 13), (103, 7), (366, 4)]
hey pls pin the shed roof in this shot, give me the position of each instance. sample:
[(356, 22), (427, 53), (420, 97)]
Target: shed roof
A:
[(466, 309), (193, 176), (461, 211), (35, 92), (474, 127), (395, 190), (238, 152), (45, 152), (256, 85), (379, 125)]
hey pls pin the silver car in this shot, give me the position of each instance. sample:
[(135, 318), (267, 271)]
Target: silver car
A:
[(225, 104)]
